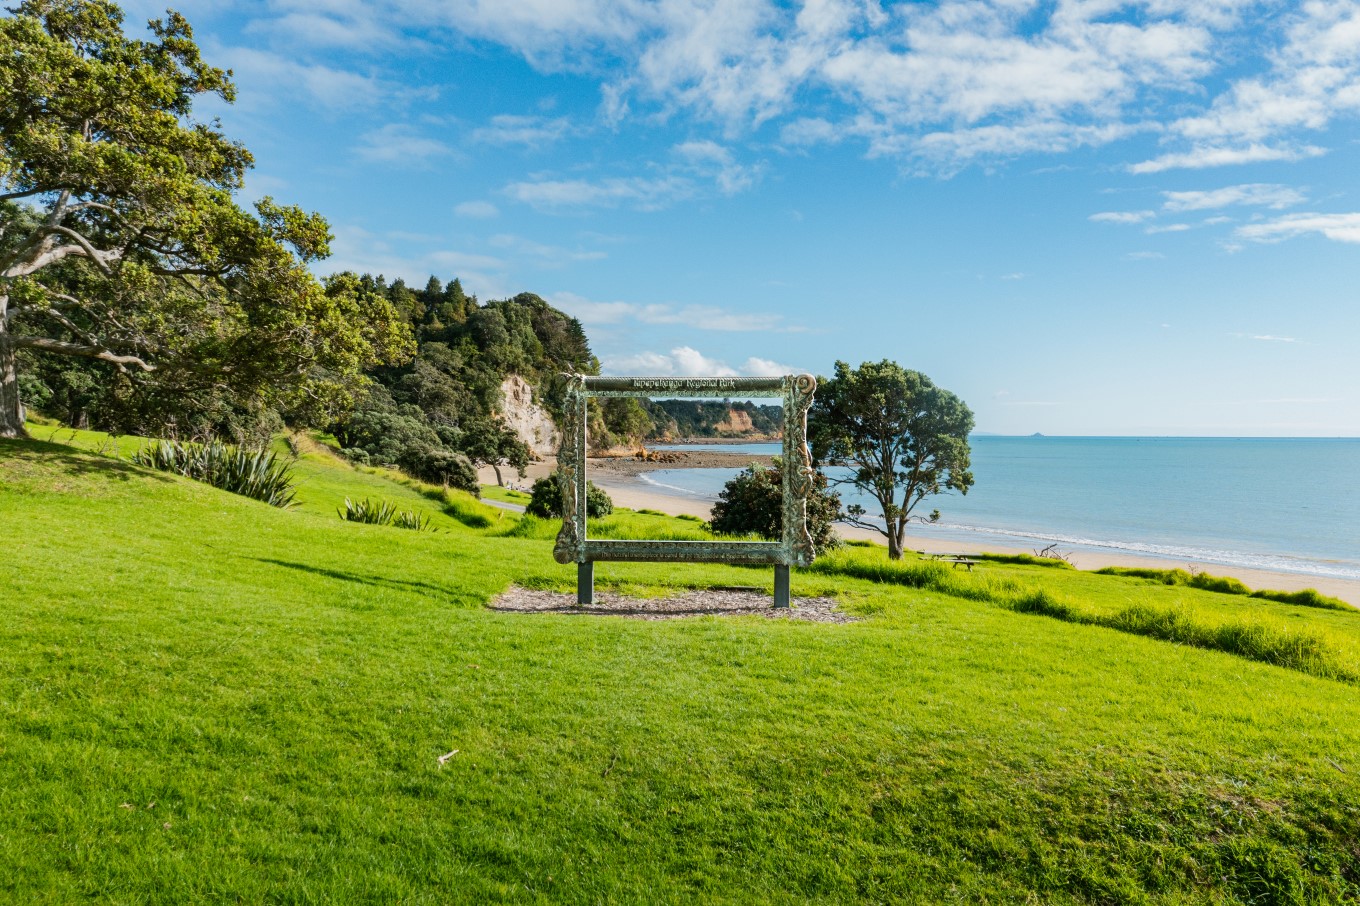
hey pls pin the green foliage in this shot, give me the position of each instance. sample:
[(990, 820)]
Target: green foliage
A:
[(753, 503), (1308, 597), (545, 499), (903, 438), (129, 251), (444, 467), (1025, 560), (1227, 585), (381, 512), (413, 521), (257, 474), (367, 512)]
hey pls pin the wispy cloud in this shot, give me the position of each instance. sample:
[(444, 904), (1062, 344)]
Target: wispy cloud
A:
[(530, 131), (397, 143), (1203, 157), (1266, 338), (694, 169), (1337, 227), (685, 361), (1256, 194), (477, 210), (698, 317), (1122, 216)]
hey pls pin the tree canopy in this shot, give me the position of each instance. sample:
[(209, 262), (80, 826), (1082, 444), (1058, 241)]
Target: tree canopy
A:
[(122, 242), (902, 437)]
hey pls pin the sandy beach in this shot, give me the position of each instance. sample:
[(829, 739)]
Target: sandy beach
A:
[(619, 478)]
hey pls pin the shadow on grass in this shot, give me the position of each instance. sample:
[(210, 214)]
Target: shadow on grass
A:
[(377, 581), (76, 462)]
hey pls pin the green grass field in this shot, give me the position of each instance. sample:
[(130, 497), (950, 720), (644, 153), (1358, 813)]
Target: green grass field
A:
[(204, 699)]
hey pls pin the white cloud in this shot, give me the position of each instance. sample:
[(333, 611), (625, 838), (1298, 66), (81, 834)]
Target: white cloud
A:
[(939, 84), (643, 193), (686, 361), (1337, 227), (698, 317), (477, 210), (1274, 339), (1168, 228), (713, 161), (1203, 157), (696, 168), (1122, 216), (398, 143), (266, 78), (531, 131), (541, 254), (1261, 194), (1144, 256)]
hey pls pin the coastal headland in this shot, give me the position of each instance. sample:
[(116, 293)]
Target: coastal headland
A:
[(620, 476)]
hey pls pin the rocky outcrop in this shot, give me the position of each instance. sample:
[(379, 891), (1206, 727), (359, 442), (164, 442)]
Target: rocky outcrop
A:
[(735, 423), (527, 418)]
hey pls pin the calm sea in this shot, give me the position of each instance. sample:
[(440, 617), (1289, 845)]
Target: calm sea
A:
[(1290, 504)]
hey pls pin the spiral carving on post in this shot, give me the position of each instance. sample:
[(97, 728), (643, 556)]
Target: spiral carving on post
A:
[(569, 465), (798, 469)]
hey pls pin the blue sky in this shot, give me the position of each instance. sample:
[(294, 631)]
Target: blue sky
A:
[(1082, 217)]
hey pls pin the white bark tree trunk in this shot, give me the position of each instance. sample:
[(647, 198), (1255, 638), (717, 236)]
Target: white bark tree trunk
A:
[(11, 409)]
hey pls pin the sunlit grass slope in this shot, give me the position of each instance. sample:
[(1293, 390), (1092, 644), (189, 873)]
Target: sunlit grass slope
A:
[(206, 699)]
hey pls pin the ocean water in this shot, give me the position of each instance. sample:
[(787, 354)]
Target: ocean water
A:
[(1289, 504)]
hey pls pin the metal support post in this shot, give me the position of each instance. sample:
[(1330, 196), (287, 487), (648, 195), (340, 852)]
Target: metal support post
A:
[(781, 586), (585, 584)]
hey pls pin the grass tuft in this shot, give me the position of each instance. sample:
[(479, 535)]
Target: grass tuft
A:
[(257, 474)]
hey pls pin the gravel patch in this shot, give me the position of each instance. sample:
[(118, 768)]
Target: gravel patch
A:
[(696, 603)]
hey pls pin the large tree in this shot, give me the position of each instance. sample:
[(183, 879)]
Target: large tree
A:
[(121, 240), (902, 438)]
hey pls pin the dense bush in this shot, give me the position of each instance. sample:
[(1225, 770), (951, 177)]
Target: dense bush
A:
[(546, 500), (256, 474), (444, 467), (753, 503)]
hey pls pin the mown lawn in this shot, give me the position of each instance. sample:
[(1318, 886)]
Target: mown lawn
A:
[(204, 699)]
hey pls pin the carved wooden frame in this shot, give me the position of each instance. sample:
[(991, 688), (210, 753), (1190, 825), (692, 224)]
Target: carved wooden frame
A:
[(795, 547)]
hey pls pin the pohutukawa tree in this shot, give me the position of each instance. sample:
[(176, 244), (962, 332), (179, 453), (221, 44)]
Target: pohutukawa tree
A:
[(121, 239), (902, 437)]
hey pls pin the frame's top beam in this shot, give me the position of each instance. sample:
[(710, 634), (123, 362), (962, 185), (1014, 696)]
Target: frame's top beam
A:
[(689, 386)]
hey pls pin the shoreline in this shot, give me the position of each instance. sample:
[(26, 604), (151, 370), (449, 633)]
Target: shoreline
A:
[(627, 489)]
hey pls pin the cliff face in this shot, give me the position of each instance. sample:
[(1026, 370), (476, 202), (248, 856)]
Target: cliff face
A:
[(527, 418), (735, 422)]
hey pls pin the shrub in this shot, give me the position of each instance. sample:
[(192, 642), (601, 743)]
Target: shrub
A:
[(1308, 597), (753, 503), (380, 512), (256, 474), (545, 499), (368, 512), (444, 467)]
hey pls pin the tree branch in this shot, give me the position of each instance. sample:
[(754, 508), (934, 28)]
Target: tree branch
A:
[(83, 351), (44, 254)]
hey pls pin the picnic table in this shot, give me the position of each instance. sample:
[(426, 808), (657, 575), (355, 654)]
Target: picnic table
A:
[(958, 560)]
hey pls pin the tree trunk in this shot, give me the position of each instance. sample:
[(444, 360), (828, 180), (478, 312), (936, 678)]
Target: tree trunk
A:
[(11, 410), (500, 482), (895, 533)]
